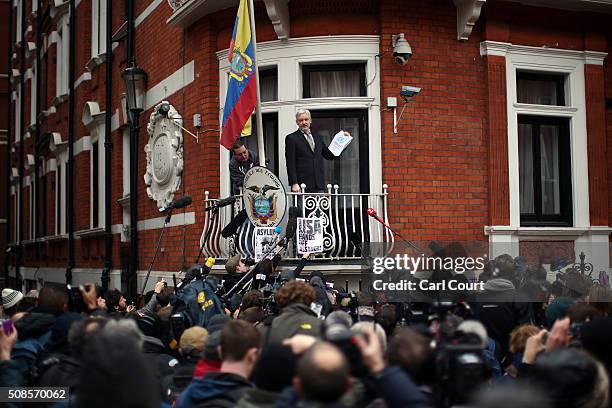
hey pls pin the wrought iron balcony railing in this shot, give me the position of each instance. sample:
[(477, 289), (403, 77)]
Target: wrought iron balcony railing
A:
[(346, 224)]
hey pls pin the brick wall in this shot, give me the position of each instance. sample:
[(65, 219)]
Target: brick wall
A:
[(436, 166)]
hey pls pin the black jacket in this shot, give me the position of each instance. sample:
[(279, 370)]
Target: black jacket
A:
[(304, 165), (237, 170), (500, 308)]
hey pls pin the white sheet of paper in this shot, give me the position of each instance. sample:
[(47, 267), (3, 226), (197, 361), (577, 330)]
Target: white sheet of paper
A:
[(339, 143)]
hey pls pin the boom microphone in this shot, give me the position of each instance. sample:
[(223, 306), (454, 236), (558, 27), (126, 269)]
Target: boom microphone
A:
[(222, 203), (372, 213), (180, 203), (233, 226)]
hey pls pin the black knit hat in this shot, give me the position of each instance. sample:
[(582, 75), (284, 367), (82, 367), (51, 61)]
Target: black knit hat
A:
[(275, 368)]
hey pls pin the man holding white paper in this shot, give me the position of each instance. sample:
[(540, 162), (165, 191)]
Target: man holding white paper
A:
[(304, 154)]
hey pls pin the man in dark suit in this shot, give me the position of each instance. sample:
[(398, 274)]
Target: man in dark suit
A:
[(304, 154)]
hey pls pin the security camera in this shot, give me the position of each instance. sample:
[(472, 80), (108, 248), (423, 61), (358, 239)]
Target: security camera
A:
[(408, 92), (164, 109), (401, 49)]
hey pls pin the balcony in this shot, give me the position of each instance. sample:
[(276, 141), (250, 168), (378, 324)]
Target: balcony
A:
[(346, 224)]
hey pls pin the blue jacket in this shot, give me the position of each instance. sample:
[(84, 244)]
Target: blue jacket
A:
[(214, 390)]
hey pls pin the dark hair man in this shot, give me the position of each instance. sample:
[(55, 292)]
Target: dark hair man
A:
[(242, 160), (296, 317), (239, 349)]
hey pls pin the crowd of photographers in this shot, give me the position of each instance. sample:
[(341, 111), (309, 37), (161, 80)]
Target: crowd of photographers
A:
[(521, 342)]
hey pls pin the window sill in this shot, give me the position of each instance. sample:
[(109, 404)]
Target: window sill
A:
[(545, 233), (32, 241), (56, 238), (91, 233), (93, 63), (124, 202), (59, 99), (46, 113)]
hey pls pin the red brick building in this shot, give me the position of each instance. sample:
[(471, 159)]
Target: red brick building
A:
[(507, 141), (5, 96)]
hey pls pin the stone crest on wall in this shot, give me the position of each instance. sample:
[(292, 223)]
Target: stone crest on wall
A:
[(164, 154)]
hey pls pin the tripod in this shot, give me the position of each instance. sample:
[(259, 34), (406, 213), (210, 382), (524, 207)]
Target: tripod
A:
[(161, 235)]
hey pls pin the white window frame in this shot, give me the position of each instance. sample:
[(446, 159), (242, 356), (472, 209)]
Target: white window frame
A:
[(32, 207), (15, 194), (63, 48), (97, 137), (98, 27), (288, 56), (33, 95), (18, 28), (17, 99), (60, 187)]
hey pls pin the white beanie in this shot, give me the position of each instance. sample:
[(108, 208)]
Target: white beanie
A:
[(10, 297)]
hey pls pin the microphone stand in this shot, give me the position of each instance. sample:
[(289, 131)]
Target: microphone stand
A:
[(161, 235), (377, 218)]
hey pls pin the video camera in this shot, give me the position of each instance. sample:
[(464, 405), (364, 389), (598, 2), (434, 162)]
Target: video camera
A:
[(337, 330), (461, 363)]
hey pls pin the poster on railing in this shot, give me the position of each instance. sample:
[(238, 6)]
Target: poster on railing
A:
[(265, 240), (309, 235)]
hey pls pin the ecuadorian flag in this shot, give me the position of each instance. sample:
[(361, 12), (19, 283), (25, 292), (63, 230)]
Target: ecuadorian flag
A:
[(241, 91)]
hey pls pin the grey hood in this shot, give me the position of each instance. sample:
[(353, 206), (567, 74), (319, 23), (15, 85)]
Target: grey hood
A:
[(498, 285)]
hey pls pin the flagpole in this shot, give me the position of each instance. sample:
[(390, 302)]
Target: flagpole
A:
[(260, 139)]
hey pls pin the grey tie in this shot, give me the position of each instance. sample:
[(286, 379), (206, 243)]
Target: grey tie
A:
[(310, 141)]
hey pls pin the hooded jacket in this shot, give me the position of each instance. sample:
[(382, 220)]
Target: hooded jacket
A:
[(500, 307), (214, 390), (296, 318)]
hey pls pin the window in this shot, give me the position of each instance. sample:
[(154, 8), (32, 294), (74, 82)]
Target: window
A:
[(41, 201), (540, 89), (544, 171), (60, 196), (334, 80), (95, 187), (97, 182), (18, 112), (268, 84), (352, 172), (98, 28), (33, 96), (340, 87), (16, 212), (33, 218), (270, 132), (18, 27), (63, 48)]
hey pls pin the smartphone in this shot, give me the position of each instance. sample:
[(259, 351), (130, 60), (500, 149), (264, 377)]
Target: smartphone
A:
[(7, 326)]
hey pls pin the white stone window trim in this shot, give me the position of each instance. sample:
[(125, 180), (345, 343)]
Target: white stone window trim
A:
[(60, 186), (62, 40), (288, 56), (593, 240), (549, 60), (93, 119)]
